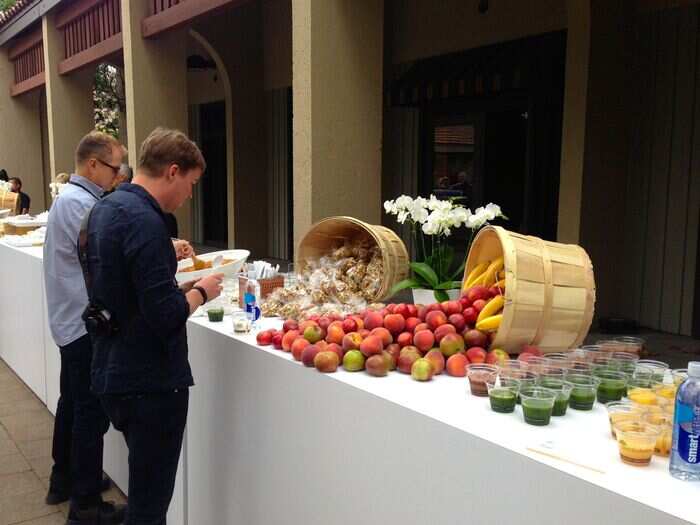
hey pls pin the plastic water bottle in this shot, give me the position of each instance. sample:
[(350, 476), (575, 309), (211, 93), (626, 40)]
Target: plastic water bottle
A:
[(251, 298), (685, 456)]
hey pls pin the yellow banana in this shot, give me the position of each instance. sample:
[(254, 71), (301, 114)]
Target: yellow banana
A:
[(490, 324), (494, 306), (495, 267), (476, 272)]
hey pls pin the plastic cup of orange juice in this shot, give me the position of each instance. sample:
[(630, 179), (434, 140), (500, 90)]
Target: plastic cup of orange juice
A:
[(636, 441)]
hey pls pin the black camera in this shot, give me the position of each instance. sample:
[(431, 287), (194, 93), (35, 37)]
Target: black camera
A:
[(98, 321)]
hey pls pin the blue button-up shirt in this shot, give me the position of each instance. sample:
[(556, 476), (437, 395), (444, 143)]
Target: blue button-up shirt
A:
[(65, 287), (132, 266)]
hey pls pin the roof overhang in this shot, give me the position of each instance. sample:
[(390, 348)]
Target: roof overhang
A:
[(30, 14)]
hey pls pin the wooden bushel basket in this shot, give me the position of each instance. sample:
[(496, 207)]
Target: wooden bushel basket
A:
[(550, 290), (332, 232)]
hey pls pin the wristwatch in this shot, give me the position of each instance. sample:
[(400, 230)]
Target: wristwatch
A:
[(202, 292)]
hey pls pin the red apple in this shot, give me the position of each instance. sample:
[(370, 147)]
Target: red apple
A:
[(402, 310), (349, 325), (453, 307), (442, 330), (475, 338), (412, 310), (470, 315), (290, 324), (277, 341), (435, 319), (264, 338), (478, 292)]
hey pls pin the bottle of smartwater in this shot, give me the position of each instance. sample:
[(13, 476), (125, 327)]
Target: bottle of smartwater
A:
[(685, 456), (251, 298)]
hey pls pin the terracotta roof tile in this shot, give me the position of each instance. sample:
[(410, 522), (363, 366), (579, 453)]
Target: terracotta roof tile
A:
[(11, 12)]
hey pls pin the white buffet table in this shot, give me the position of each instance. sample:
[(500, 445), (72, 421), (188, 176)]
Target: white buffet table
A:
[(271, 442)]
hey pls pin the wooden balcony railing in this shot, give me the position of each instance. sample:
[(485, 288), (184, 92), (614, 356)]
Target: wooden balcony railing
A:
[(27, 56), (169, 14)]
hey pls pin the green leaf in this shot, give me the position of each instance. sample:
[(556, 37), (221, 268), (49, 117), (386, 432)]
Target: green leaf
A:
[(448, 254), (426, 272), (441, 295), (449, 285), (403, 285)]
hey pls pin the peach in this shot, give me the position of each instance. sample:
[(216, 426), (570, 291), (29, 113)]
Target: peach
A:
[(326, 362), (305, 324), (422, 312), (456, 364), (373, 320), (394, 351), (457, 320), (353, 361), (322, 344), (495, 290), (376, 365), (435, 319), (476, 355), (410, 350), (424, 340), (444, 306), (443, 330), (451, 344), (288, 339), (308, 354), (395, 323), (406, 361), (411, 324), (384, 335), (313, 333), (349, 325), (371, 345), (453, 307), (404, 339), (334, 347), (412, 311), (352, 341), (363, 332), (390, 358), (359, 321), (324, 322), (290, 324), (422, 370), (421, 326), (464, 302), (479, 304), (298, 347), (402, 310), (277, 341), (264, 338), (335, 333), (437, 360)]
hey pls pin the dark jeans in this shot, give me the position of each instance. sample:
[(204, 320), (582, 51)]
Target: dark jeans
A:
[(153, 425), (79, 428)]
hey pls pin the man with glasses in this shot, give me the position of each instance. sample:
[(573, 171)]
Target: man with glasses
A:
[(80, 423)]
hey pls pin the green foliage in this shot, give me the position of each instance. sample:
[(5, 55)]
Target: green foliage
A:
[(6, 4)]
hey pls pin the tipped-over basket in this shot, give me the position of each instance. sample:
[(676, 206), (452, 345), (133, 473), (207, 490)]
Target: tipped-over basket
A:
[(9, 200), (549, 291), (332, 232)]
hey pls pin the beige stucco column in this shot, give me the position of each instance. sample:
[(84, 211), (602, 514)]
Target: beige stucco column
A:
[(337, 48), (69, 104), (20, 135), (578, 44), (155, 72)]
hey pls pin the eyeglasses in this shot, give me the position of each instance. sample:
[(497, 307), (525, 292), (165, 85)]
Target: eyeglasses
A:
[(115, 169)]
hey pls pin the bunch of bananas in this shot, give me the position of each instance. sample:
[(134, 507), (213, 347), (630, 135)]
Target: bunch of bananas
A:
[(489, 274)]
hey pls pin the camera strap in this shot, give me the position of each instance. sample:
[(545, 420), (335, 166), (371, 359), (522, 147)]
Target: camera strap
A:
[(82, 250)]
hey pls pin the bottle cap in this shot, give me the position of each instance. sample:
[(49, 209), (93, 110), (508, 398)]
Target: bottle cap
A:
[(694, 369)]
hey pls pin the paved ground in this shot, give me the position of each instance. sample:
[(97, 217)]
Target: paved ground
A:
[(26, 429)]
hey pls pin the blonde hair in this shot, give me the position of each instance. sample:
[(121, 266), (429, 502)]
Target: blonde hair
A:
[(62, 178), (96, 144), (164, 147)]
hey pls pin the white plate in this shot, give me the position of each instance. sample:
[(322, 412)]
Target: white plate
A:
[(238, 256), (4, 212)]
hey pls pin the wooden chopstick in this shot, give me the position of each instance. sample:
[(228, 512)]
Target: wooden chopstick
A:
[(565, 460)]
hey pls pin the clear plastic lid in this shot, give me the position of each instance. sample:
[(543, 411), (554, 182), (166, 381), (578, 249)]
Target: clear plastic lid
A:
[(694, 369)]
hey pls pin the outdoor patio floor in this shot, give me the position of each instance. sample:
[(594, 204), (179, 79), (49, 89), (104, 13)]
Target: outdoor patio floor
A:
[(26, 429)]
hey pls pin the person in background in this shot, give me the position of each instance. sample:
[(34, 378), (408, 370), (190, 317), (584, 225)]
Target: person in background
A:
[(24, 200), (140, 368), (80, 423), (3, 176)]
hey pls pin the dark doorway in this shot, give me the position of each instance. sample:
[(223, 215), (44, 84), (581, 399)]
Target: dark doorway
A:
[(214, 183)]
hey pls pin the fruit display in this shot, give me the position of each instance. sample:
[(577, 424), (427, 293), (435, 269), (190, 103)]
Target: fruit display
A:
[(343, 281), (417, 340)]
